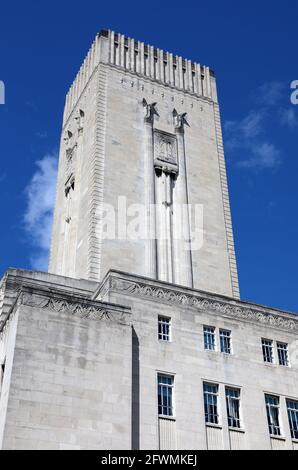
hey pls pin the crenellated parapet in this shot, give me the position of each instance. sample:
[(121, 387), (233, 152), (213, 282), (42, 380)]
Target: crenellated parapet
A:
[(144, 60)]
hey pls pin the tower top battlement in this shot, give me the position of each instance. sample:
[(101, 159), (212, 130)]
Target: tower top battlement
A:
[(147, 61)]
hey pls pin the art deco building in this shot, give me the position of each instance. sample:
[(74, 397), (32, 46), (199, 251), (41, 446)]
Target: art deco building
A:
[(137, 337)]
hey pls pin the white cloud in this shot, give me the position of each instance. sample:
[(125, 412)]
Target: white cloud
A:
[(263, 156), (40, 195), (240, 132), (247, 137)]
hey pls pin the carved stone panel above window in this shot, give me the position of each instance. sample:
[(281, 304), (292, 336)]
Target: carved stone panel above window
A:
[(165, 152)]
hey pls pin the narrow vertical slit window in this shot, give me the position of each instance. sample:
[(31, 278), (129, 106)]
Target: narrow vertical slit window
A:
[(272, 408), (233, 407), (211, 403), (174, 74), (193, 77), (155, 67), (165, 395), (126, 57), (116, 55), (2, 371), (183, 76)]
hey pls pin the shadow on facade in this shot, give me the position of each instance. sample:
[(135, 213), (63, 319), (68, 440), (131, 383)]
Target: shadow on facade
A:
[(135, 410)]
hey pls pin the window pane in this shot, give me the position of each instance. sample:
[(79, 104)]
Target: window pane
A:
[(210, 403), (272, 408), (233, 407), (267, 347), (283, 355), (164, 328), (292, 407), (165, 395), (225, 341), (209, 338)]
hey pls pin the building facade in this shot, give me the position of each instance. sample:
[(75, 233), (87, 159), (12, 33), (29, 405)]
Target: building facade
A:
[(138, 339)]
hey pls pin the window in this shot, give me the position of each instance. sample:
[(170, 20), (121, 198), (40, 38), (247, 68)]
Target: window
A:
[(225, 341), (233, 407), (2, 370), (292, 407), (267, 346), (209, 338), (210, 403), (164, 328), (272, 407), (165, 395), (283, 355)]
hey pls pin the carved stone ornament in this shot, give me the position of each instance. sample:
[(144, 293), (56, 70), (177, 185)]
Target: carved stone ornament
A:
[(180, 120), (150, 111), (68, 138), (80, 120), (70, 184), (81, 309), (165, 152), (230, 310)]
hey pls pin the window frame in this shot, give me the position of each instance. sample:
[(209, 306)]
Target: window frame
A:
[(160, 387), (213, 335), (207, 393), (280, 348), (264, 349), (237, 399), (222, 332), (293, 429), (162, 336), (270, 416)]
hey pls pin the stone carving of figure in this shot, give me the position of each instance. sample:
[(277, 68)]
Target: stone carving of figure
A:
[(179, 120), (150, 110)]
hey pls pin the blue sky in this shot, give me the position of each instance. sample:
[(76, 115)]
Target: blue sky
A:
[(252, 48)]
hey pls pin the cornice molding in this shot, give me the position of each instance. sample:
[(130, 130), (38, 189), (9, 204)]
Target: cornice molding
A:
[(63, 303), (230, 309), (84, 308)]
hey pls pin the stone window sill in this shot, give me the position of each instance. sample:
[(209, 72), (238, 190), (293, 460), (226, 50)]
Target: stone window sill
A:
[(237, 430), (278, 438), (213, 425), (169, 418)]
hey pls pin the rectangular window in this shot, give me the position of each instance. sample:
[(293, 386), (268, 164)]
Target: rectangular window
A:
[(165, 395), (211, 403), (267, 346), (164, 328), (209, 338), (233, 407), (272, 408), (283, 355), (292, 407), (225, 341)]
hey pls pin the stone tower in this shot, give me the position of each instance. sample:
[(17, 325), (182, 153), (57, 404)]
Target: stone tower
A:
[(142, 127)]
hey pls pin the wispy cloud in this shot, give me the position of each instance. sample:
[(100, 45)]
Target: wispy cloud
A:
[(248, 137), (263, 156), (40, 196), (239, 133), (269, 94)]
